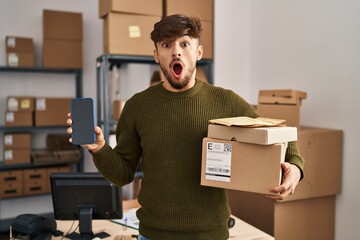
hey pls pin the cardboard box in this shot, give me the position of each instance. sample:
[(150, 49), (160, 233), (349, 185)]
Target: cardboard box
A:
[(62, 54), (260, 135), (17, 140), (51, 111), (204, 9), (17, 156), (296, 220), (35, 181), (61, 25), (141, 7), (322, 150), (20, 103), (118, 105), (291, 113), (19, 44), (285, 93), (128, 34), (11, 183), (207, 40), (241, 166), (18, 119), (20, 59)]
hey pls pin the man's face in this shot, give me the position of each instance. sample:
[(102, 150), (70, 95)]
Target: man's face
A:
[(177, 60)]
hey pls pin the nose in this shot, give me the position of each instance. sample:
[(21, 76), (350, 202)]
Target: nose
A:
[(176, 51)]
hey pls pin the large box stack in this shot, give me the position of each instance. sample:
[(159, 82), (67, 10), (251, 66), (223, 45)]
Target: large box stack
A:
[(309, 213), (127, 25), (19, 52), (204, 9), (62, 43), (233, 160), (281, 104)]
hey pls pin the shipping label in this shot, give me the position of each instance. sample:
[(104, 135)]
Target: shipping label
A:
[(218, 161)]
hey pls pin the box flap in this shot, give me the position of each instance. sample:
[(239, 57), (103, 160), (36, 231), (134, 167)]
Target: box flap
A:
[(249, 122)]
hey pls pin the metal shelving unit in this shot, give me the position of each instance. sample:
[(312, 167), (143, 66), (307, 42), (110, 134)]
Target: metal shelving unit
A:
[(104, 63), (4, 223)]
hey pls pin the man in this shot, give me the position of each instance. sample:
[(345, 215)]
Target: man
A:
[(164, 126)]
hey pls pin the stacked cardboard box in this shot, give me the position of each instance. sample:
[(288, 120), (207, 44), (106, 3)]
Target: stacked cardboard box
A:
[(19, 111), (51, 111), (232, 160), (11, 184), (17, 148), (127, 25), (19, 52), (309, 213), (282, 104), (204, 9), (63, 35)]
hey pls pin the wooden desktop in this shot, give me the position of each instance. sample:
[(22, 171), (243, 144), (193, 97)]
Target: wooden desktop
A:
[(240, 231)]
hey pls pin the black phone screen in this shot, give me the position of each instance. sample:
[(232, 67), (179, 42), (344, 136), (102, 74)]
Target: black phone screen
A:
[(83, 121)]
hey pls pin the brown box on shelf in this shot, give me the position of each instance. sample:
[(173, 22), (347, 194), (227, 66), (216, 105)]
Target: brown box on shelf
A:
[(286, 220), (11, 183), (62, 54), (43, 156), (20, 59), (128, 34), (118, 105), (35, 181), (290, 113), (283, 93), (20, 103), (19, 119), (17, 156), (17, 140), (141, 7), (62, 25), (241, 166), (51, 111), (204, 9), (19, 44)]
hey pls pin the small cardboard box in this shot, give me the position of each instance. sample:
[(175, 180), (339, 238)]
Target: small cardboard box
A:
[(118, 106), (284, 96), (51, 111), (19, 44), (62, 54), (17, 140), (260, 135), (61, 25), (20, 59), (35, 181), (11, 184), (204, 9), (291, 113), (18, 119), (241, 166), (312, 218), (140, 7), (20, 103), (16, 156), (128, 34), (322, 150)]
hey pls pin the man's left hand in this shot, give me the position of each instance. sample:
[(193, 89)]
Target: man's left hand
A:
[(291, 178)]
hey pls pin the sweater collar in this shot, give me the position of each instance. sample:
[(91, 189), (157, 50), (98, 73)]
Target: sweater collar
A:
[(190, 92)]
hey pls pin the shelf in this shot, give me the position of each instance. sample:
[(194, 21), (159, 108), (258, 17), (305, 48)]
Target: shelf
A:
[(41, 70), (11, 167), (30, 128)]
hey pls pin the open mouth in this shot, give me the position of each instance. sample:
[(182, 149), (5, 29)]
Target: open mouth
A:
[(177, 69)]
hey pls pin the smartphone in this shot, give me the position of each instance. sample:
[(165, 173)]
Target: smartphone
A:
[(83, 121)]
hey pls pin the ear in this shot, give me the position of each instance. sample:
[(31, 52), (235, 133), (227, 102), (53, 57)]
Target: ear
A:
[(200, 52), (156, 58)]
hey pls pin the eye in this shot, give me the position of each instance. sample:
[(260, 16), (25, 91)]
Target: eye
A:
[(165, 45), (186, 44)]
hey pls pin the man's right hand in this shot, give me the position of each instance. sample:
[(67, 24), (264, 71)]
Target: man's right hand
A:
[(94, 147)]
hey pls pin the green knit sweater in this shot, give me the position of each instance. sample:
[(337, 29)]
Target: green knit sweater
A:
[(165, 130)]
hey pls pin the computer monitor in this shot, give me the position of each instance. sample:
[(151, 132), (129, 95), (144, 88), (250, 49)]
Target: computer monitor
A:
[(84, 197)]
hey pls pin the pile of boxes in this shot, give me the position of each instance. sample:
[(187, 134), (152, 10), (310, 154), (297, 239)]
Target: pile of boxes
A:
[(309, 213), (62, 39), (25, 182), (19, 52), (127, 24)]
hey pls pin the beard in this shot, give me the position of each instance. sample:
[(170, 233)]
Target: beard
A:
[(177, 83)]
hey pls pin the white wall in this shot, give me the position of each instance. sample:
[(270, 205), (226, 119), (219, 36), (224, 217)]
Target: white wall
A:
[(309, 45)]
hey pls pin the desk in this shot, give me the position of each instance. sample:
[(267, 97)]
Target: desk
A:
[(241, 230)]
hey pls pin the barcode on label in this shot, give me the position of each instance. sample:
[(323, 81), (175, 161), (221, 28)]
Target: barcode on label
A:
[(218, 170)]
